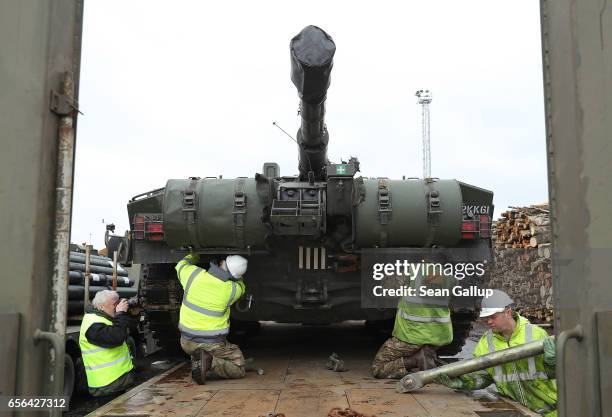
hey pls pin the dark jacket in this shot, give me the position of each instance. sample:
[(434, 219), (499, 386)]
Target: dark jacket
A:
[(103, 335)]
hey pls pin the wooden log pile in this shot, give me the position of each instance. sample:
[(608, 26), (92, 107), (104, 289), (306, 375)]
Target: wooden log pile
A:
[(521, 260)]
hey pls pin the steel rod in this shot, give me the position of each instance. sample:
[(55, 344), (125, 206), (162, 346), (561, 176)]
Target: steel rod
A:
[(114, 282), (61, 241), (87, 278), (417, 380)]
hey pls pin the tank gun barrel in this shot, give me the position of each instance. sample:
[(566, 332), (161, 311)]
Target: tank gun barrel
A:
[(312, 53)]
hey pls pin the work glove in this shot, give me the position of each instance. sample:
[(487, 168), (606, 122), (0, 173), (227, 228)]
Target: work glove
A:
[(192, 257), (454, 383), (550, 357)]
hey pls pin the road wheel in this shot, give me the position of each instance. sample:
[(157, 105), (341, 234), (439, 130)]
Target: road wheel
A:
[(69, 376)]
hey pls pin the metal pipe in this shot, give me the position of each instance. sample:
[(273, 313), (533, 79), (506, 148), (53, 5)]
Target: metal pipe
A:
[(573, 333), (61, 239), (92, 261), (78, 278), (80, 257), (57, 343), (108, 270), (417, 380)]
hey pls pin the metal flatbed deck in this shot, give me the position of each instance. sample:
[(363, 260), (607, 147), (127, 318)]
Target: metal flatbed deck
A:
[(297, 384)]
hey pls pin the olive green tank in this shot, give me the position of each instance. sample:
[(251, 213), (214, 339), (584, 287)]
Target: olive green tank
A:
[(303, 235)]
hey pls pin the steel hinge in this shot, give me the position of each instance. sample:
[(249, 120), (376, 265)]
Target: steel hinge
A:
[(239, 201), (61, 104)]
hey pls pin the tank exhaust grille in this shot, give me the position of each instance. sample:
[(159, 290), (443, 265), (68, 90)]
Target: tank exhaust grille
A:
[(312, 258)]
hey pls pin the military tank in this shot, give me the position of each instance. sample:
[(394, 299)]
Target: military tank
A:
[(304, 235)]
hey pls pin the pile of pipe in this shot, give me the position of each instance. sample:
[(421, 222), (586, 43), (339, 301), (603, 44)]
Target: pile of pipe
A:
[(100, 278)]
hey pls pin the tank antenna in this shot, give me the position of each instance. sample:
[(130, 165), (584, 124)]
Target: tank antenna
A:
[(283, 130), (293, 139)]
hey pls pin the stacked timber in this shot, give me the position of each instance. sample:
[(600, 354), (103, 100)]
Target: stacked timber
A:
[(100, 278), (522, 260), (522, 227)]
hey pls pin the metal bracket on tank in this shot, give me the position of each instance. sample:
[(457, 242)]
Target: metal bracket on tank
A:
[(190, 201), (384, 201), (433, 210), (239, 211)]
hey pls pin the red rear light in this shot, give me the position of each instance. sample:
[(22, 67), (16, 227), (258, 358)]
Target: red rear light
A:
[(148, 227), (155, 231), (139, 227), (468, 227), (480, 227), (485, 227), (155, 228)]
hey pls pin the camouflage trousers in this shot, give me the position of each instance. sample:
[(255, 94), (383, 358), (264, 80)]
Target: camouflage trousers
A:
[(391, 359), (120, 384), (227, 361)]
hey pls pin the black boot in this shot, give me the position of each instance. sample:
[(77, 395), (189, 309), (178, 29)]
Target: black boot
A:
[(201, 366), (426, 358), (196, 371), (410, 362)]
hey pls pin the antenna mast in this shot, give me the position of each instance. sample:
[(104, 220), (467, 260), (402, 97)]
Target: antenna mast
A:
[(424, 98)]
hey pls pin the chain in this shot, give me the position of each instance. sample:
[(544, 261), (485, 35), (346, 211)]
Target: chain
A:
[(348, 412)]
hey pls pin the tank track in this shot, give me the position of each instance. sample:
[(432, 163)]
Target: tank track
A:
[(161, 294)]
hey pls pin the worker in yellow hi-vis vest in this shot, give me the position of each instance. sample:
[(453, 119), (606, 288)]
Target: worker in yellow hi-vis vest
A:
[(530, 381), (422, 325), (205, 312), (102, 339)]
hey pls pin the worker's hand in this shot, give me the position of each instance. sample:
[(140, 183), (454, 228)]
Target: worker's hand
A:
[(550, 357), (123, 306), (454, 383)]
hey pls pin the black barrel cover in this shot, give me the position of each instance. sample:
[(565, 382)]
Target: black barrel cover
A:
[(312, 54)]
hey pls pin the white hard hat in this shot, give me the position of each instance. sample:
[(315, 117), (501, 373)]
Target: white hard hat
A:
[(236, 265), (496, 303)]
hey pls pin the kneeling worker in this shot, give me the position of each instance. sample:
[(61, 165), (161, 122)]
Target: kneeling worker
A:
[(205, 313), (422, 325), (529, 381), (102, 339)]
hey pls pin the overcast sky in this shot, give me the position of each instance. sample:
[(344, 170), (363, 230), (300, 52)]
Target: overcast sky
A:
[(179, 89)]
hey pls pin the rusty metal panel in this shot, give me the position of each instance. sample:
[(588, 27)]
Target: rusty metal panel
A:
[(577, 62), (39, 41)]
